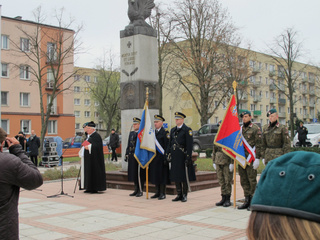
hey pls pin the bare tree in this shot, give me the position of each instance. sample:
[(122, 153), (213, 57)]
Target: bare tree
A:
[(106, 91), (201, 28), (50, 51), (285, 52)]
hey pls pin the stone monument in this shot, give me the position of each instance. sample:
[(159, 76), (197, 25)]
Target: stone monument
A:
[(139, 67)]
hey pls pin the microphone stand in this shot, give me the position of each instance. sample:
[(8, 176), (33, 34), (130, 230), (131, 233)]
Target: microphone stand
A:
[(61, 193)]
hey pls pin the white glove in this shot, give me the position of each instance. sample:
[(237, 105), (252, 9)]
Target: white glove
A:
[(231, 167), (214, 166), (256, 164), (263, 161)]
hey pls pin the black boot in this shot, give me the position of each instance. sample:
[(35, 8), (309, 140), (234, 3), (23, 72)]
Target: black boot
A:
[(246, 203), (157, 194), (227, 202), (221, 201), (250, 198), (140, 193), (136, 187), (162, 192), (185, 192), (179, 193)]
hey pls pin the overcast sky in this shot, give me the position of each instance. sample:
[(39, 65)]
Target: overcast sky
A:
[(259, 21)]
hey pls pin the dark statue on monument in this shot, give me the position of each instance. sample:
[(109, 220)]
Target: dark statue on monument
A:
[(138, 11)]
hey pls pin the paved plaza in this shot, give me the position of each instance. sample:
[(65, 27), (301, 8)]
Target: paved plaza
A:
[(115, 215)]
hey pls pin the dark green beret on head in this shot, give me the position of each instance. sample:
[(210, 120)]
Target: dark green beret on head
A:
[(179, 115), (273, 110), (290, 185), (136, 120), (85, 124), (245, 112)]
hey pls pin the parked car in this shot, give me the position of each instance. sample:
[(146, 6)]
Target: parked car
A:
[(313, 137), (72, 142)]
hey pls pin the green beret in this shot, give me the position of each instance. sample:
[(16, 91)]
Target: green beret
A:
[(245, 112), (179, 115), (159, 118), (136, 120), (289, 186), (273, 110), (85, 124)]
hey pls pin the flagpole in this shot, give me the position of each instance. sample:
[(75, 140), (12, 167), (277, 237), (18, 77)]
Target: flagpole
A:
[(147, 174), (234, 84)]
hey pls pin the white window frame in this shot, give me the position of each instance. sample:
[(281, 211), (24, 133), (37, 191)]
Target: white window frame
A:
[(52, 55), (52, 127), (76, 89), (25, 44), (25, 123), (22, 104), (76, 77), (87, 102), (77, 113), (5, 42), (87, 78), (7, 98), (7, 127), (77, 126), (77, 101), (87, 114), (24, 72), (6, 67)]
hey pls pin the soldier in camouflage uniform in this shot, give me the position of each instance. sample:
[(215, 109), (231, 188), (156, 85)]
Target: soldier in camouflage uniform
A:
[(248, 176), (275, 138), (223, 164)]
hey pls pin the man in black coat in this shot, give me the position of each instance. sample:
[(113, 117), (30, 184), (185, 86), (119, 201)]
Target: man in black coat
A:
[(133, 165), (94, 167), (114, 144), (33, 144), (22, 140), (159, 168), (180, 152), (302, 134)]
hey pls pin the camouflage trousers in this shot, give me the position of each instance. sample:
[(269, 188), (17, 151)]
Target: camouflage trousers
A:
[(248, 179), (272, 153), (225, 178)]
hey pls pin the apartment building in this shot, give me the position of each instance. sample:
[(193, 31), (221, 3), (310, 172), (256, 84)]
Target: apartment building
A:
[(20, 94), (85, 108), (260, 93)]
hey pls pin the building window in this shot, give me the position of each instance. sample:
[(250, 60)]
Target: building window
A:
[(50, 78), (267, 94), (86, 90), (77, 113), (4, 42), (288, 110), (267, 108), (76, 89), (24, 72), (76, 101), (4, 98), (51, 52), (5, 125), (87, 78), (77, 126), (76, 77), (25, 126), (52, 127), (87, 113), (96, 103), (96, 114), (87, 102), (252, 107), (24, 44), (4, 70), (25, 99), (95, 79)]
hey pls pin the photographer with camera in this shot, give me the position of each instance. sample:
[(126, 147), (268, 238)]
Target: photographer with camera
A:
[(16, 171)]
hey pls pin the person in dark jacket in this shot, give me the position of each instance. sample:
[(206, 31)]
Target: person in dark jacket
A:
[(159, 169), (16, 171), (33, 144), (94, 167), (114, 144), (22, 140), (180, 152), (302, 134)]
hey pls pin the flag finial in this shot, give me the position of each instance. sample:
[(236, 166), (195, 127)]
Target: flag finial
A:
[(234, 84), (147, 94)]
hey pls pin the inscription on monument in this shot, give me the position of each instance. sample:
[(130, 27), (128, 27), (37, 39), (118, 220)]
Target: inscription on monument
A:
[(129, 58)]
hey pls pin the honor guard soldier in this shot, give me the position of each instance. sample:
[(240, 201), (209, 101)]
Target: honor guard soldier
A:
[(159, 168), (275, 138), (248, 176), (133, 165), (179, 154), (223, 165)]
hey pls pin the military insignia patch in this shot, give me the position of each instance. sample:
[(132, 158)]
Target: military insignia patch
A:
[(168, 135), (190, 132)]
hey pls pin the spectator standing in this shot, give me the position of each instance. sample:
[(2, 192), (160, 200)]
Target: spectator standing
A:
[(22, 140), (302, 134), (114, 144), (16, 171), (33, 144)]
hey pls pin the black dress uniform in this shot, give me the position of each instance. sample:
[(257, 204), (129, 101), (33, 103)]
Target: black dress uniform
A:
[(159, 168), (180, 149), (133, 165)]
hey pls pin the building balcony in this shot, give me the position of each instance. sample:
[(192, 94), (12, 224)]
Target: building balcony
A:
[(312, 81), (256, 113), (255, 70), (243, 97), (54, 110), (305, 103), (282, 101), (281, 75), (273, 87), (273, 100), (257, 99), (282, 115), (272, 74), (312, 93), (304, 80), (304, 91), (256, 84)]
